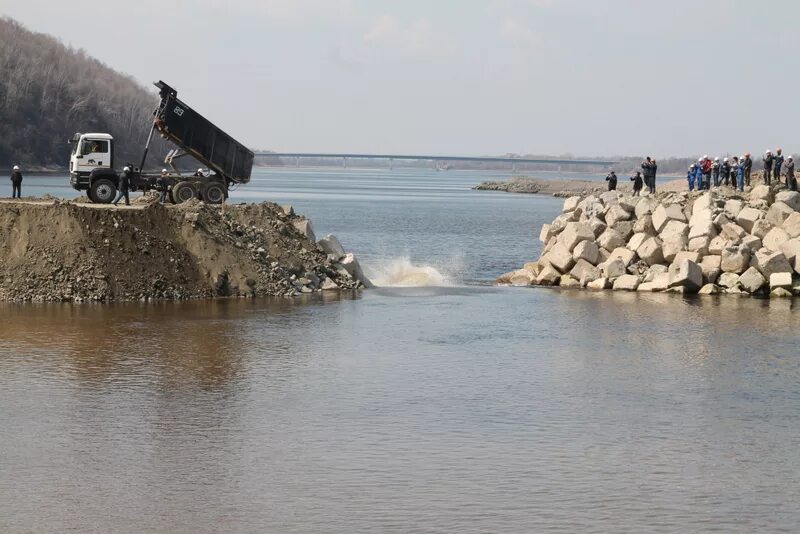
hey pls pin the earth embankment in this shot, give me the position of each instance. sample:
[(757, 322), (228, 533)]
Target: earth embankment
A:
[(55, 250)]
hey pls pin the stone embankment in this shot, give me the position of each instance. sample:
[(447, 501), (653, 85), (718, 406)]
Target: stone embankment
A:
[(69, 251), (564, 187), (710, 242)]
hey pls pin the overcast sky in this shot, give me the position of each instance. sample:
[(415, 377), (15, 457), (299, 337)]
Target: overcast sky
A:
[(610, 77)]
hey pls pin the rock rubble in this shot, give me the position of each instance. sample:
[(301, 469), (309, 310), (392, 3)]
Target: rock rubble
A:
[(712, 242)]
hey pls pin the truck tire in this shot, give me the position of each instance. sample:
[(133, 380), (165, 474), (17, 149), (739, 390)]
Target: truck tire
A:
[(183, 191), (102, 191), (214, 194)]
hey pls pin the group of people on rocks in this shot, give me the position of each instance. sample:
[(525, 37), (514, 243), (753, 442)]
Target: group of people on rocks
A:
[(735, 172), (645, 177)]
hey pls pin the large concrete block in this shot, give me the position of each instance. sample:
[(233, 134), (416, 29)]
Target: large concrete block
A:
[(761, 192), (609, 197), (686, 255), (674, 228), (570, 204), (790, 198), (522, 277), (663, 214), (751, 242), (351, 265), (751, 280), (671, 245), (733, 207), (305, 227), (699, 245), (783, 280), (610, 239), (548, 276), (613, 268), (574, 233), (703, 230), (650, 251), (598, 226), (626, 282), (701, 203), (779, 212), (688, 275), (720, 219), (637, 240), (747, 217), (660, 282), (627, 256), (628, 203), (716, 245), (644, 225), (735, 259), (586, 250), (600, 283), (568, 282), (583, 270), (645, 206), (761, 228), (733, 232), (702, 218), (331, 245), (775, 238), (769, 263), (791, 249), (792, 225), (545, 234), (625, 229), (728, 280), (561, 258), (712, 268)]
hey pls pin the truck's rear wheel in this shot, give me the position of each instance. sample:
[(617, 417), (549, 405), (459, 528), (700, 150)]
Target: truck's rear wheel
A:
[(214, 194), (103, 191), (183, 191)]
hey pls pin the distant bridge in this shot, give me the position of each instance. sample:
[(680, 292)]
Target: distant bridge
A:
[(420, 157)]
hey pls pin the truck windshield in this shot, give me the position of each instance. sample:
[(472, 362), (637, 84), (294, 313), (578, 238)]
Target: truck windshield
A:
[(90, 146)]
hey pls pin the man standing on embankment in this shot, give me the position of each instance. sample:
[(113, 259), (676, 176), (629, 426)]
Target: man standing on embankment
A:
[(16, 182)]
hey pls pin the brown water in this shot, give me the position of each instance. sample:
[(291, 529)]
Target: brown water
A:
[(467, 410), (457, 409)]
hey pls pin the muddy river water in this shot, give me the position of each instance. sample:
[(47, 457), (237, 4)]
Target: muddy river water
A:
[(447, 406)]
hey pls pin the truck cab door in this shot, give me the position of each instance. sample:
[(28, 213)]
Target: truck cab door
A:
[(93, 153)]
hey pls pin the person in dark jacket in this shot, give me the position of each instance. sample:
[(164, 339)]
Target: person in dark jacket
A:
[(777, 163), (653, 170), (768, 160), (699, 174), (747, 161), (790, 174), (743, 171), (124, 186), (725, 171), (647, 165), (637, 183), (707, 172), (163, 186), (16, 182), (612, 181)]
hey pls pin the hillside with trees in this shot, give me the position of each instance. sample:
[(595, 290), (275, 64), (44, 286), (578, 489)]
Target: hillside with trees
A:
[(49, 91)]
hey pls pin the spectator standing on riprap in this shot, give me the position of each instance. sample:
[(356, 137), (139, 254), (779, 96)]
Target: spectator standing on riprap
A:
[(777, 163), (16, 182), (653, 171), (637, 184), (725, 170), (646, 169), (767, 159), (743, 171), (791, 181), (690, 176), (612, 181), (715, 171), (747, 161), (707, 172)]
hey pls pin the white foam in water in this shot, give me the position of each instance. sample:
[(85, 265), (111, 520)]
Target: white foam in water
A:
[(400, 272)]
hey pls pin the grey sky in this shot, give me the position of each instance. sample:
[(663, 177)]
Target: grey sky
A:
[(610, 77)]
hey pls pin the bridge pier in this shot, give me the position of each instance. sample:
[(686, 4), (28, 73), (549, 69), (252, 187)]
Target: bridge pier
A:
[(344, 162), (391, 164)]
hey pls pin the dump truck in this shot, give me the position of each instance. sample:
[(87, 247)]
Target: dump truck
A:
[(92, 166)]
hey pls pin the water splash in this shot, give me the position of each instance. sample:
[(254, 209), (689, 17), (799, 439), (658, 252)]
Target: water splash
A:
[(400, 272)]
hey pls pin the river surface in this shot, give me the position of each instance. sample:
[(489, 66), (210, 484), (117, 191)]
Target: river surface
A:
[(452, 406)]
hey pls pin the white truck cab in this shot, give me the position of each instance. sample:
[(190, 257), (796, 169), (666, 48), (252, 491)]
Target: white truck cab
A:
[(91, 151)]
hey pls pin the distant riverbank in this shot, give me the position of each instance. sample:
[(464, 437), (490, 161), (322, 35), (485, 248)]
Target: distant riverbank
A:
[(567, 187)]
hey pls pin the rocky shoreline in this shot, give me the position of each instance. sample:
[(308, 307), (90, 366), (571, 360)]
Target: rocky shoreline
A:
[(564, 187), (70, 251), (714, 242)]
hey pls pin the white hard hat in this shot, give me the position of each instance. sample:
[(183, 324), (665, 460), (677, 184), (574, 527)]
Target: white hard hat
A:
[(691, 166), (16, 167), (788, 157), (126, 169), (768, 152), (199, 170), (700, 160), (725, 160), (705, 156), (163, 171), (716, 159)]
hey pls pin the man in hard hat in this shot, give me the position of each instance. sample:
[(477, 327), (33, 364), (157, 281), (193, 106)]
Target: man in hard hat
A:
[(715, 171), (690, 176), (124, 186), (16, 182), (748, 168), (163, 186), (791, 181), (725, 171), (199, 173), (707, 172), (767, 159), (777, 163)]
